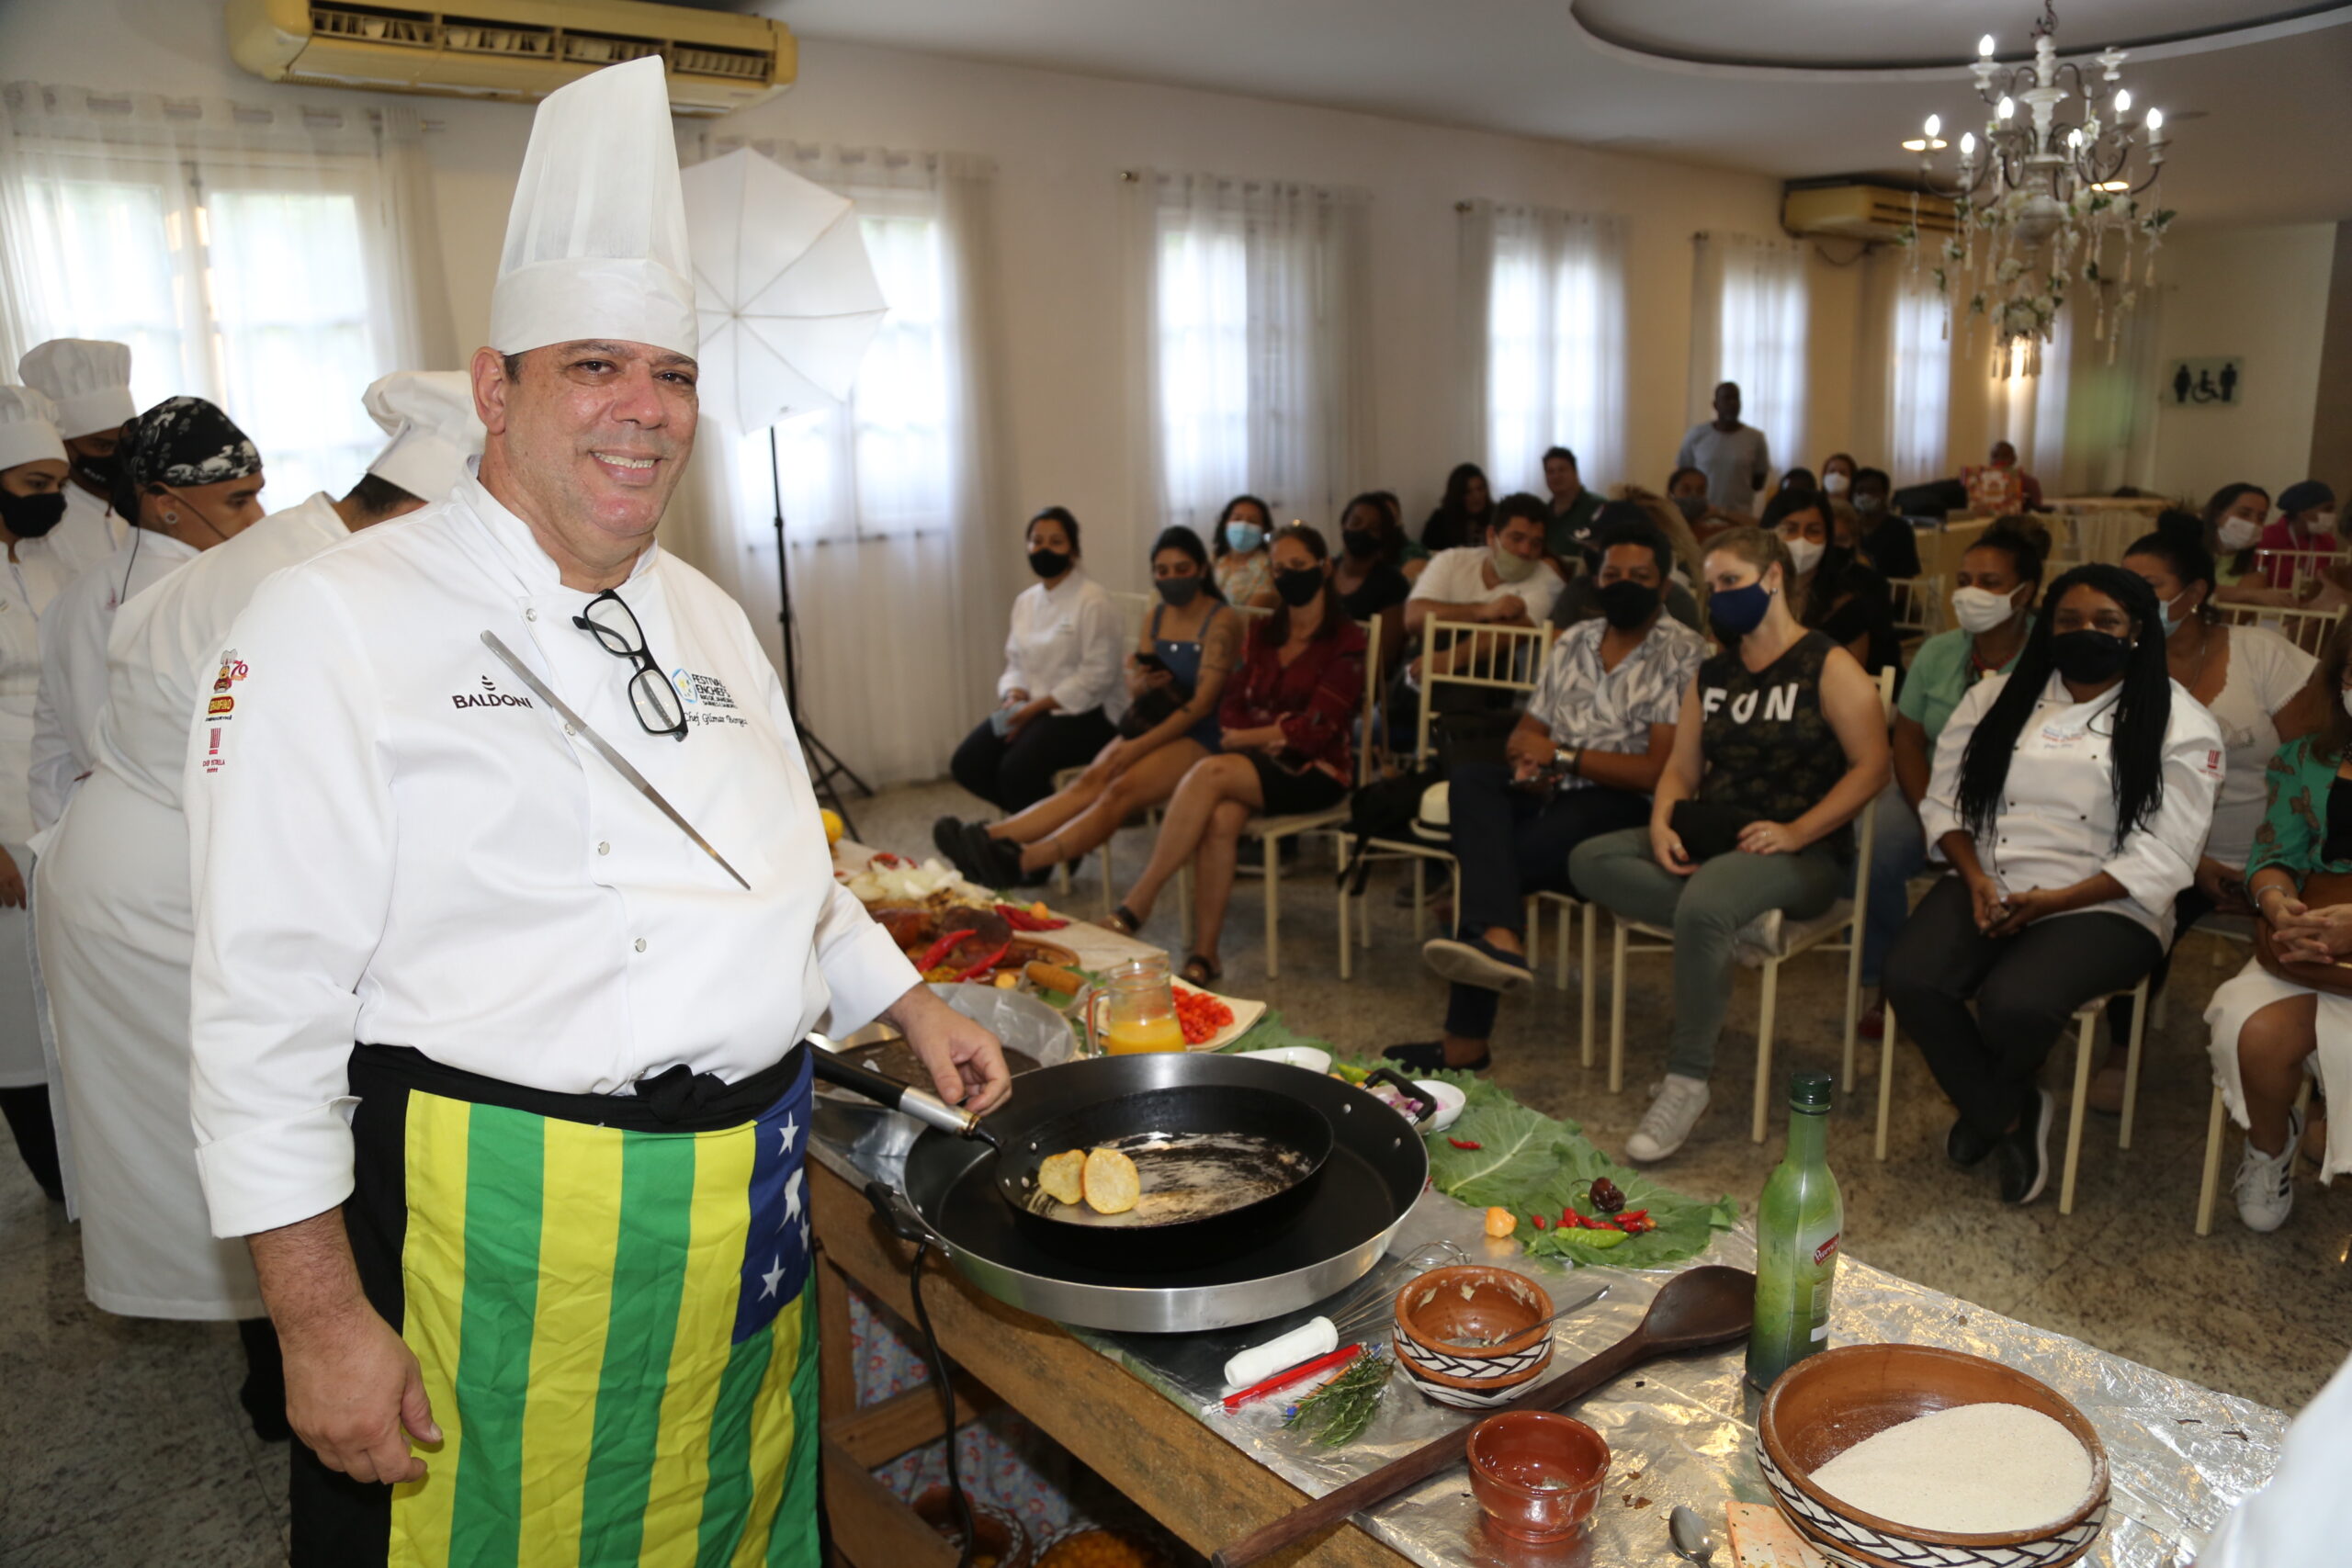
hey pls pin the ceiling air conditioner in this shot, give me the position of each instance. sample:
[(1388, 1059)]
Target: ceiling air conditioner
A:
[(1852, 210), (513, 50)]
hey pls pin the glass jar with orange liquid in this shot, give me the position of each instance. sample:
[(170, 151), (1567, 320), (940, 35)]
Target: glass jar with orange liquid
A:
[(1137, 1006)]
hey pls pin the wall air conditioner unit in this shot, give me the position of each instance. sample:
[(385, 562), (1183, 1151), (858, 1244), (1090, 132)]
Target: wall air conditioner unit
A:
[(513, 51), (1849, 209)]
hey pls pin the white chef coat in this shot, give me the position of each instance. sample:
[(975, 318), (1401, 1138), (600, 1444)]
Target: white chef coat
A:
[(1067, 642), (27, 585), (74, 665), (90, 531), (392, 841), (2056, 824), (116, 930), (2302, 1516)]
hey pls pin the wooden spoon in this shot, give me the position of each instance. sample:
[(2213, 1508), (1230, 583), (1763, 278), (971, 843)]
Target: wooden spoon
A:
[(1699, 1307)]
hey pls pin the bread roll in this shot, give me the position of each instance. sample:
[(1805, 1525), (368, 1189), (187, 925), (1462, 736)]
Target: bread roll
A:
[(1111, 1184), (1061, 1176)]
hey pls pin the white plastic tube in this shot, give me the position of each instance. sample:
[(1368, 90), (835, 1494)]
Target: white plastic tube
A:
[(1308, 1340)]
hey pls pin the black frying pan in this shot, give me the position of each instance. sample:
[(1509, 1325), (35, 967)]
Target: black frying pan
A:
[(1218, 1162)]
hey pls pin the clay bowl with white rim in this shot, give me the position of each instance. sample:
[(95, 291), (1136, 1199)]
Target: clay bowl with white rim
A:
[(1827, 1403), (1471, 1336)]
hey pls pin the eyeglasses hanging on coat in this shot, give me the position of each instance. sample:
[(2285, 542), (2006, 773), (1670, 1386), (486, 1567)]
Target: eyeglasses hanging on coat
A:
[(655, 701)]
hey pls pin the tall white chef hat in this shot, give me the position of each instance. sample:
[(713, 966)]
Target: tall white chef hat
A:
[(430, 416), (27, 427), (597, 240), (88, 379)]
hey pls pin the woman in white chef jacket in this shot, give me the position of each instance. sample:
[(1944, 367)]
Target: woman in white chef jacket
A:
[(2073, 797), (32, 479)]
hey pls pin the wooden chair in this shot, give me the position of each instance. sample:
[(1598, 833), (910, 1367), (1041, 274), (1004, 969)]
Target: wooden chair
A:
[(2215, 1120), (2307, 630), (1767, 943), (1919, 602)]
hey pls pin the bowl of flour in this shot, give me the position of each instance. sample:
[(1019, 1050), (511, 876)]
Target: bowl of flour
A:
[(1900, 1454)]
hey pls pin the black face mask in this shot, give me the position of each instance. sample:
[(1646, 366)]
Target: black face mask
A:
[(99, 471), (1049, 563), (1177, 592), (1359, 542), (1299, 585), (1626, 603), (31, 516), (2088, 658)]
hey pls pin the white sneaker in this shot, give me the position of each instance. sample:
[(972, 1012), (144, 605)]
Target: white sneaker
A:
[(1666, 1124), (2264, 1187)]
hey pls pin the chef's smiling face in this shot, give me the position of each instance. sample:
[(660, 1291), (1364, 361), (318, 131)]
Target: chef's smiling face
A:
[(586, 444)]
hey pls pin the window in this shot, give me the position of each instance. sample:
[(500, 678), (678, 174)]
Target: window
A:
[(1919, 383), (881, 465), (1555, 357)]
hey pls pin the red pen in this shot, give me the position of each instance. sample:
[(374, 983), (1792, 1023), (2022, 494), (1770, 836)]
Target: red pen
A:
[(1300, 1373)]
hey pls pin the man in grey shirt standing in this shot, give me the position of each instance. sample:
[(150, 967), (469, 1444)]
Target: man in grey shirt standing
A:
[(1733, 455)]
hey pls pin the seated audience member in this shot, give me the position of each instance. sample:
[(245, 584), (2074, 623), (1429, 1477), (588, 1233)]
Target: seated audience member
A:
[(1834, 593), (1780, 744), (2234, 519), (1461, 519), (1667, 518), (2267, 1028), (1061, 693), (1244, 572), (2258, 686), (1687, 490), (2301, 537), (1837, 471), (1992, 594), (1288, 711), (1574, 508), (1888, 541), (1502, 581), (1797, 478), (1369, 581), (1175, 679), (1583, 760), (2000, 486), (1581, 600), (2071, 797)]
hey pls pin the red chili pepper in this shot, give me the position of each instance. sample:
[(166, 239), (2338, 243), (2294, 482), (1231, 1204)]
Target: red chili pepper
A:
[(942, 948), (1465, 1144), (984, 964), (1539, 1220)]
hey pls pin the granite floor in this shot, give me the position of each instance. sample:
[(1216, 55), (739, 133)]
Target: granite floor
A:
[(128, 1446)]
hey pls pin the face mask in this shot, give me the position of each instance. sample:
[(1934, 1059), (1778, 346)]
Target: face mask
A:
[(31, 516), (2172, 621), (2324, 524), (1358, 542), (1870, 505), (1243, 537), (1626, 603), (99, 471), (1981, 609), (2237, 533), (2088, 658), (1735, 612), (1299, 584), (1693, 507), (1177, 592), (1049, 563), (1835, 484), (1509, 567), (1805, 555)]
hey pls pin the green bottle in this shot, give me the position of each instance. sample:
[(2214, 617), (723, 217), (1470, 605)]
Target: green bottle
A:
[(1798, 1223)]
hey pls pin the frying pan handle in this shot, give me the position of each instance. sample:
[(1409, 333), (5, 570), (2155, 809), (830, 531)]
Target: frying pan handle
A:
[(928, 1109), (905, 1222), (1424, 1102)]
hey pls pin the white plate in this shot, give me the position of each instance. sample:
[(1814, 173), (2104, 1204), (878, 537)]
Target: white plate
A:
[(1245, 1014), (1306, 1056), (1450, 1103)]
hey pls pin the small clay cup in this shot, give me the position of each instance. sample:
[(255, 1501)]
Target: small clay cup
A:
[(1536, 1474)]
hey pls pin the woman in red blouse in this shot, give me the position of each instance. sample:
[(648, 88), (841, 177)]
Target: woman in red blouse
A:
[(1288, 709)]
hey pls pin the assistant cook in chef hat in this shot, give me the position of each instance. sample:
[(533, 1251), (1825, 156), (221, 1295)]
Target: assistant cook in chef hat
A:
[(429, 414), (32, 463), (89, 380)]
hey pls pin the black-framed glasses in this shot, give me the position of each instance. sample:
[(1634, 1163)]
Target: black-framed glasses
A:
[(612, 622)]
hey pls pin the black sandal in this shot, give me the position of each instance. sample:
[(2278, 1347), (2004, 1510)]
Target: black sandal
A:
[(1198, 971), (1120, 919)]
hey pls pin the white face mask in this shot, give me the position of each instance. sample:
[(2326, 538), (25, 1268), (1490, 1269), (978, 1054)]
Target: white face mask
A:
[(2237, 533), (1835, 484), (1803, 554), (2323, 522), (2173, 621), (1509, 567), (1981, 609)]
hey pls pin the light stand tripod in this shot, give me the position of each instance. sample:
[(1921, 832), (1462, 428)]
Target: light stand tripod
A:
[(824, 765)]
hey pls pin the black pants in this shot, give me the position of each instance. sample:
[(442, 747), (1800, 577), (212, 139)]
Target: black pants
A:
[(26, 1109), (2027, 986), (1016, 775), (1510, 843)]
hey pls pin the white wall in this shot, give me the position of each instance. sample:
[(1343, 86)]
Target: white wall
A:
[(2262, 294)]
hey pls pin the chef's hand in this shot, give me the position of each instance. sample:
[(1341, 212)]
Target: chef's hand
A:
[(1027, 714), (966, 1062), (355, 1393), (12, 882)]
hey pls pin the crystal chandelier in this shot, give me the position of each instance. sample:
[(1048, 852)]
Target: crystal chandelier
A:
[(2051, 198)]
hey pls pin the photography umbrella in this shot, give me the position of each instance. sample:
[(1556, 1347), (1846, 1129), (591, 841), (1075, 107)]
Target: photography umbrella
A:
[(787, 302)]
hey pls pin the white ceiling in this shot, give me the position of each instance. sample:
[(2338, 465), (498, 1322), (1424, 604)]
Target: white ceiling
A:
[(2264, 129)]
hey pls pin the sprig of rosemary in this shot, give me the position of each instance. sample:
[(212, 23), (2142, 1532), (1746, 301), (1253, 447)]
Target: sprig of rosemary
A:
[(1335, 1415)]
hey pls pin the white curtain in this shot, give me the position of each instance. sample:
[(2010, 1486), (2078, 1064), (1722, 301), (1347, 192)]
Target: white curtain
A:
[(1918, 381), (1252, 342), (1544, 347), (1747, 324), (252, 257), (899, 550)]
